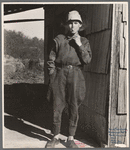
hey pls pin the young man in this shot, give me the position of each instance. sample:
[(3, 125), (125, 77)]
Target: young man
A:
[(68, 55)]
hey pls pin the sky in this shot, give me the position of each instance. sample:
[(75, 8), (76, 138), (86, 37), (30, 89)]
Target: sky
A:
[(29, 29)]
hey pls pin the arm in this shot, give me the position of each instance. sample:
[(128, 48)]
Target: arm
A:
[(51, 61), (85, 52), (83, 49)]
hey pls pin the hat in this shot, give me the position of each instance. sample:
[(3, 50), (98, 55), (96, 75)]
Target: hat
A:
[(74, 15)]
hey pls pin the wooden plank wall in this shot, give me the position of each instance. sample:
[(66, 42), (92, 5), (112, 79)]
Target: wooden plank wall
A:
[(118, 80), (100, 43), (122, 91), (94, 110), (98, 30)]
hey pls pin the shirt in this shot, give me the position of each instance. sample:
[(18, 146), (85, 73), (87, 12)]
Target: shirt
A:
[(66, 52)]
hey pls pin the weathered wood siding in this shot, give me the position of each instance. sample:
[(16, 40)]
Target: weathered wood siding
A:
[(122, 92), (118, 78), (100, 45), (94, 110)]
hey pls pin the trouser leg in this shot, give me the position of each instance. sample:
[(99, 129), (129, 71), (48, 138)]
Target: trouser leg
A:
[(58, 88), (73, 119), (76, 94), (57, 113)]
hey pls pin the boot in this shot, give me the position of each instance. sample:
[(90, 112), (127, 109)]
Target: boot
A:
[(71, 144), (52, 143)]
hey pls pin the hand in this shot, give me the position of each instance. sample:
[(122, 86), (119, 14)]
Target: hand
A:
[(51, 71), (77, 40)]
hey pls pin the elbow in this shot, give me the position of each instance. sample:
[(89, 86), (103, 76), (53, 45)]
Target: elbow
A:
[(88, 60), (88, 57)]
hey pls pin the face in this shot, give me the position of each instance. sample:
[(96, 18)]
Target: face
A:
[(74, 26)]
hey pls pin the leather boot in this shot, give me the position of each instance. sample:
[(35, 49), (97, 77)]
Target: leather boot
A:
[(52, 143), (71, 144)]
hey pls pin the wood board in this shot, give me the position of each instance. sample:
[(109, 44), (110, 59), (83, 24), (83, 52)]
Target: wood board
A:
[(122, 92), (97, 92), (100, 46)]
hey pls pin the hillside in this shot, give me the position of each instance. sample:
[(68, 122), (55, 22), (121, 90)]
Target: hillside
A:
[(23, 58)]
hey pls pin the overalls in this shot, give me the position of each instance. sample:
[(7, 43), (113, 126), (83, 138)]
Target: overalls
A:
[(67, 81)]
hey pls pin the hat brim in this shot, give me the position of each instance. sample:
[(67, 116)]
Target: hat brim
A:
[(74, 20)]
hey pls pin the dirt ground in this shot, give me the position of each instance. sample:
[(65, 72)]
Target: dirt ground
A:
[(23, 134)]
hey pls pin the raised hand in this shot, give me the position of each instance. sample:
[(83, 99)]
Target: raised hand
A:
[(77, 40)]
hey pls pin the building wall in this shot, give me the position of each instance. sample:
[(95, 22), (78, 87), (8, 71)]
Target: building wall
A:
[(118, 102), (94, 110)]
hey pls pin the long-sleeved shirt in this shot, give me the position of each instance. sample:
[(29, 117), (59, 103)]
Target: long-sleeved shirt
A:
[(66, 52)]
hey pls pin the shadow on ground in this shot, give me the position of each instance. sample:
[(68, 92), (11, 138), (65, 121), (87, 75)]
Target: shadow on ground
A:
[(28, 102), (13, 123)]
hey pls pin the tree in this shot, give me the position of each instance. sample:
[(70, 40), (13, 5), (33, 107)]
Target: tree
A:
[(18, 45)]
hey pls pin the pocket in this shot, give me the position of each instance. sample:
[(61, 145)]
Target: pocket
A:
[(81, 75)]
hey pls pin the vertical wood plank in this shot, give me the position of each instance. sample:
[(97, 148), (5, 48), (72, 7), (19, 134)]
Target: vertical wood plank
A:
[(100, 46), (119, 7), (106, 38), (115, 121), (125, 12), (49, 18), (125, 20), (113, 74), (122, 46), (101, 16), (93, 124), (86, 12), (94, 19), (89, 19), (126, 53), (125, 30), (98, 97), (110, 16), (122, 123), (125, 36), (122, 92), (105, 16)]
